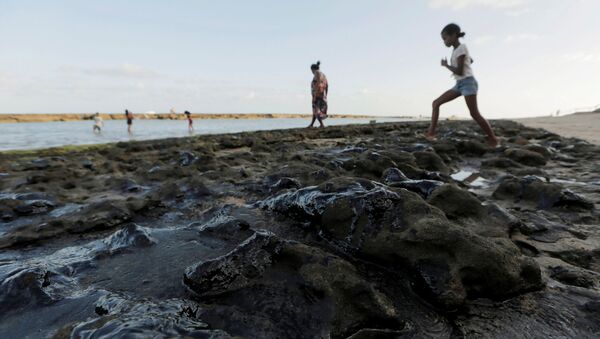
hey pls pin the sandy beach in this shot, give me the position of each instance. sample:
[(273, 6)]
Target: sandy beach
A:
[(359, 231), (585, 126)]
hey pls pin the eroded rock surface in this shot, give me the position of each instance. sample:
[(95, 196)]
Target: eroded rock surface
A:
[(343, 232)]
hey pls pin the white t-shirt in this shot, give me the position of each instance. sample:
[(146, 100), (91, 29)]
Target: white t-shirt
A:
[(98, 121), (467, 70)]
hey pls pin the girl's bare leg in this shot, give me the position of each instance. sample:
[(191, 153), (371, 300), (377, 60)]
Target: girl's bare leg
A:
[(484, 124), (435, 113)]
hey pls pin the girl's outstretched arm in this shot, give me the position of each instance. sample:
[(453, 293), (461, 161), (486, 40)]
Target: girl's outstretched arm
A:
[(459, 69)]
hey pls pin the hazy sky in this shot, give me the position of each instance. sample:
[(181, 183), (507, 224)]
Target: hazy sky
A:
[(532, 57)]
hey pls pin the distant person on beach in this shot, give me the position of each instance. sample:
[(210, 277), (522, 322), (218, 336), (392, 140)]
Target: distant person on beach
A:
[(129, 117), (319, 89), (466, 85), (188, 115), (98, 123)]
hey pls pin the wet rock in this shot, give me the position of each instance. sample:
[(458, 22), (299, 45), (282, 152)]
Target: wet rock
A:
[(393, 175), (287, 289), (398, 229), (456, 203), (525, 157), (195, 188), (354, 149), (370, 164), (38, 164), (431, 161), (572, 200), (573, 277), (97, 216), (537, 222), (424, 188), (87, 164), (544, 151), (186, 158), (543, 195), (31, 207), (285, 183), (372, 333), (130, 236), (418, 147), (129, 185), (121, 318), (226, 228), (500, 162), (21, 286), (464, 208), (471, 147)]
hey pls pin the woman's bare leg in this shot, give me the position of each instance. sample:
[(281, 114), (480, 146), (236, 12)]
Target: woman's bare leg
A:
[(484, 124), (435, 113)]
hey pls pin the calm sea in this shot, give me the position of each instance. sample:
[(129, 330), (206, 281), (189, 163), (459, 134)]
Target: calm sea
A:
[(21, 136)]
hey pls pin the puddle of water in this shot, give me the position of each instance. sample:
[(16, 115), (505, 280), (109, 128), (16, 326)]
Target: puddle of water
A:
[(471, 178), (461, 175)]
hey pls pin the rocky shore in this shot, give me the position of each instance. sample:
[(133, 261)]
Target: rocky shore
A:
[(20, 118), (361, 231)]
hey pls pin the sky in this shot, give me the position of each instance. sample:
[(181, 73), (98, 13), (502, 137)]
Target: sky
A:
[(382, 57)]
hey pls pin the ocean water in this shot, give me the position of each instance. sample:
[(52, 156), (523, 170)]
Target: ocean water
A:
[(37, 135)]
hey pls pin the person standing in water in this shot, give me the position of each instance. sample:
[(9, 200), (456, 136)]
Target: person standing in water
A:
[(129, 117), (319, 89), (98, 123), (466, 85), (190, 121)]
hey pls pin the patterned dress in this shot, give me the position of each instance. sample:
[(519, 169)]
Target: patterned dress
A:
[(320, 88)]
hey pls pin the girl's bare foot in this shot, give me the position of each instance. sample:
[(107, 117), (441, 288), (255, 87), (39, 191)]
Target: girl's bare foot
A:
[(430, 137), (493, 142)]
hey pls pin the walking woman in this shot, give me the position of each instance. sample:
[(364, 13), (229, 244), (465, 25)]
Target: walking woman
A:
[(319, 89), (466, 85)]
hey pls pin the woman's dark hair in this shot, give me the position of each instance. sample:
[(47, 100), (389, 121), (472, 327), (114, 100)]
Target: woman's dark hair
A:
[(187, 112), (452, 29), (316, 66)]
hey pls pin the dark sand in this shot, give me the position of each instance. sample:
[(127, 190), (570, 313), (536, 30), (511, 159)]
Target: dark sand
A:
[(346, 232)]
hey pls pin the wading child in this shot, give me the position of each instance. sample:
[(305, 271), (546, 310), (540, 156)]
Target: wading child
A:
[(466, 85), (188, 115), (98, 123)]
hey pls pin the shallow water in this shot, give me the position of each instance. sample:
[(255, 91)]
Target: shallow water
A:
[(21, 136)]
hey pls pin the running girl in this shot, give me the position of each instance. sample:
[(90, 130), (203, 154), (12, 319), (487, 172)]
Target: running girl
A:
[(466, 85)]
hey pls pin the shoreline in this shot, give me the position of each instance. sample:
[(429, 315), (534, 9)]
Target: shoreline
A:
[(62, 117)]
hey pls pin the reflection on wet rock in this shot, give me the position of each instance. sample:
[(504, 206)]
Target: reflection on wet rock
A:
[(399, 228), (287, 288)]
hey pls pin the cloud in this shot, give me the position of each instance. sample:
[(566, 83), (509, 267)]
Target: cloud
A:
[(484, 39), (462, 4), (582, 57), (518, 12), (250, 96), (521, 37), (6, 82), (366, 91), (124, 70)]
